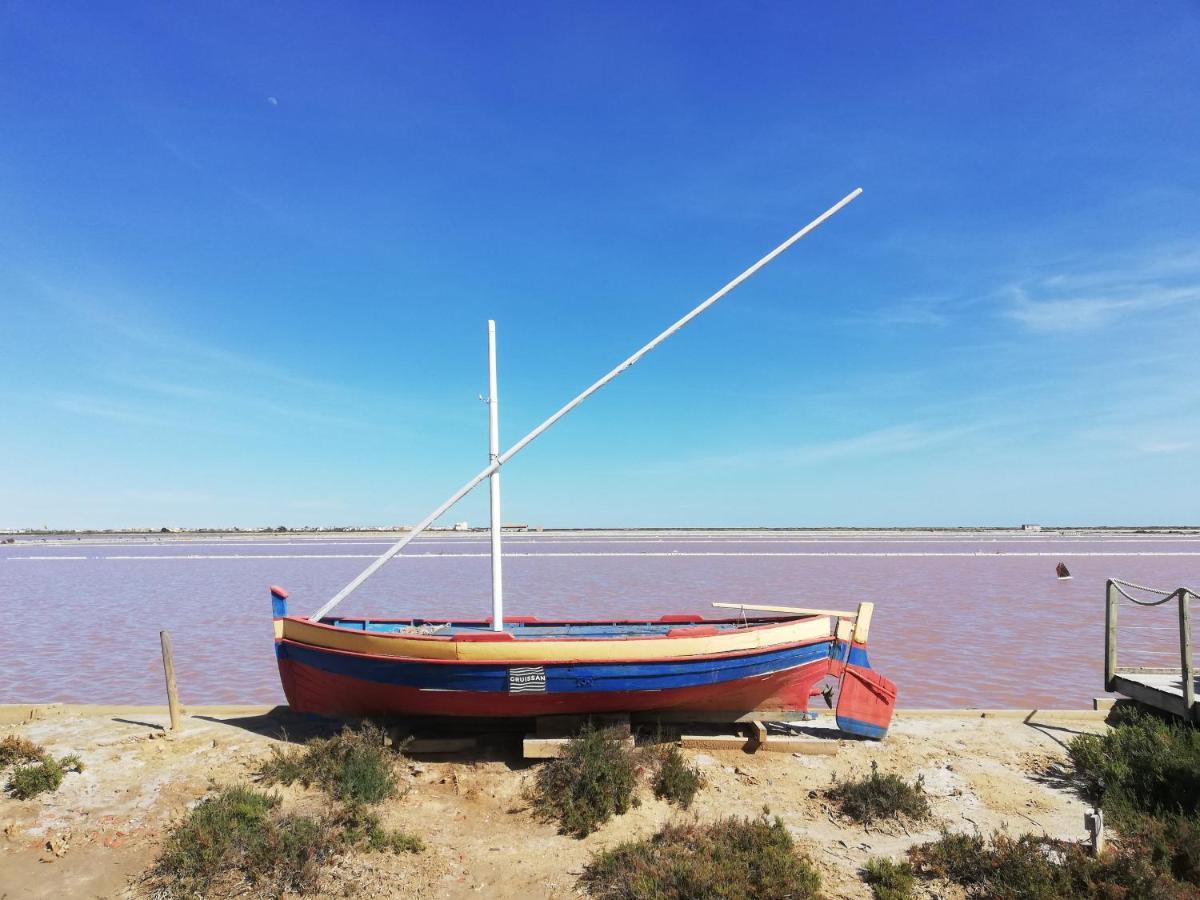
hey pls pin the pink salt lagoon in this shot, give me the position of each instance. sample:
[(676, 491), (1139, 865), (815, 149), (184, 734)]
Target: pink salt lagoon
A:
[(962, 620)]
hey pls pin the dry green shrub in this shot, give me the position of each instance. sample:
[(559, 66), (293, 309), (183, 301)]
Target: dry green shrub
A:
[(1150, 849), (362, 829), (593, 780), (1146, 774), (1145, 765), (239, 841), (1033, 867), (732, 859), (879, 797), (1001, 868), (889, 880), (355, 765), (240, 834), (15, 750), (396, 842), (674, 780), (44, 775)]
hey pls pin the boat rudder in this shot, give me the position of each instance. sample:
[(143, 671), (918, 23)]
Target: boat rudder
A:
[(866, 702)]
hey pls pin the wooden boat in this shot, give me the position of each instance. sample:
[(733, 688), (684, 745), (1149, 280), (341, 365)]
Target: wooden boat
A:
[(520, 666), (725, 668)]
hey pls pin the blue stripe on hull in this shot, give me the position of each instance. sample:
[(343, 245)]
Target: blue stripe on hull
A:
[(862, 729), (858, 655), (561, 678)]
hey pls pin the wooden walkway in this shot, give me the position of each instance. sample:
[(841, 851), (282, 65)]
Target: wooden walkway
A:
[(1172, 690), (1160, 688)]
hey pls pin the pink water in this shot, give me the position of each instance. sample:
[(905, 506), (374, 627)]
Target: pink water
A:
[(960, 621)]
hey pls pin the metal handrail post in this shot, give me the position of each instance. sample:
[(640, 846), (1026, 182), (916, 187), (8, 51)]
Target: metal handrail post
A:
[(1110, 637)]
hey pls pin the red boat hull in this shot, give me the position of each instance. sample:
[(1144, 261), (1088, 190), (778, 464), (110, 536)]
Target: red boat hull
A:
[(309, 689)]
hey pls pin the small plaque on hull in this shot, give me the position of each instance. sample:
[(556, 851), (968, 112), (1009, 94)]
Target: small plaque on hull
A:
[(527, 680)]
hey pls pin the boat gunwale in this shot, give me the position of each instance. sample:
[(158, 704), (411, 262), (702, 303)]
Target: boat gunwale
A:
[(582, 661), (752, 625)]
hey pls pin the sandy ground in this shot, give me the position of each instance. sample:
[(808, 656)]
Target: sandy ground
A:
[(103, 827)]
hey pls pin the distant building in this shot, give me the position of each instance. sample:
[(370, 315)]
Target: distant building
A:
[(514, 527), (461, 526), (1031, 527)]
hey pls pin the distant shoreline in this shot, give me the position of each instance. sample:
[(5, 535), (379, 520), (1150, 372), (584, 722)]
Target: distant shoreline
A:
[(399, 531)]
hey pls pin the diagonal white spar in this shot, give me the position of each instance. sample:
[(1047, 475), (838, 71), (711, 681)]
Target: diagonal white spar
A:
[(495, 464)]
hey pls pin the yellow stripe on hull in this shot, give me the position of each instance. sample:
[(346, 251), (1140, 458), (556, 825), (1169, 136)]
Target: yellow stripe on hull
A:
[(549, 649)]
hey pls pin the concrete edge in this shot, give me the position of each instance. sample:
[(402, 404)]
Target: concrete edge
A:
[(17, 713), (1081, 714)]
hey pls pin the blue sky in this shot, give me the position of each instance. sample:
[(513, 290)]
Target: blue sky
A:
[(248, 251)]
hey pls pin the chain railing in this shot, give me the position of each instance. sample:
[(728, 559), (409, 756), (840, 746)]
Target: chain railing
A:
[(1117, 589)]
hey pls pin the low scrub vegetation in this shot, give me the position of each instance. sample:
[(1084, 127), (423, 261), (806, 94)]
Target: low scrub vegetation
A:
[(594, 779), (15, 750), (880, 797), (1042, 868), (240, 837), (240, 842), (362, 829), (674, 780), (1029, 866), (355, 766), (1144, 766), (47, 775), (35, 771), (889, 880), (733, 859), (1145, 773)]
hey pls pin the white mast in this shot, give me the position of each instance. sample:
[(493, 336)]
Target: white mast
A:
[(516, 448), (494, 479)]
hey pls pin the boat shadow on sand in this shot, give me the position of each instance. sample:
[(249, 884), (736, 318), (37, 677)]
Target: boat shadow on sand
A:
[(494, 740), (489, 740)]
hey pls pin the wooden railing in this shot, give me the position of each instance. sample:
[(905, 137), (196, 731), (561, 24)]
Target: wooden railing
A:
[(1114, 593)]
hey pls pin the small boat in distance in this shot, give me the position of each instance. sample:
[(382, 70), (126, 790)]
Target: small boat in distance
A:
[(1062, 571), (678, 665)]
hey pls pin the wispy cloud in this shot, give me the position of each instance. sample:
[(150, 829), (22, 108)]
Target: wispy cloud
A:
[(1067, 293), (140, 370), (1088, 311), (227, 403), (933, 312), (120, 315), (891, 441), (102, 408), (316, 505), (137, 414), (1165, 447), (172, 496), (164, 388), (1081, 298), (906, 438)]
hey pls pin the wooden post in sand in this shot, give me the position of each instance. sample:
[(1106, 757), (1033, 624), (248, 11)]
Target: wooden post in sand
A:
[(1094, 823), (169, 669)]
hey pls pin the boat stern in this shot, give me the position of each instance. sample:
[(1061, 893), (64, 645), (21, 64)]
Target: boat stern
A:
[(866, 699)]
